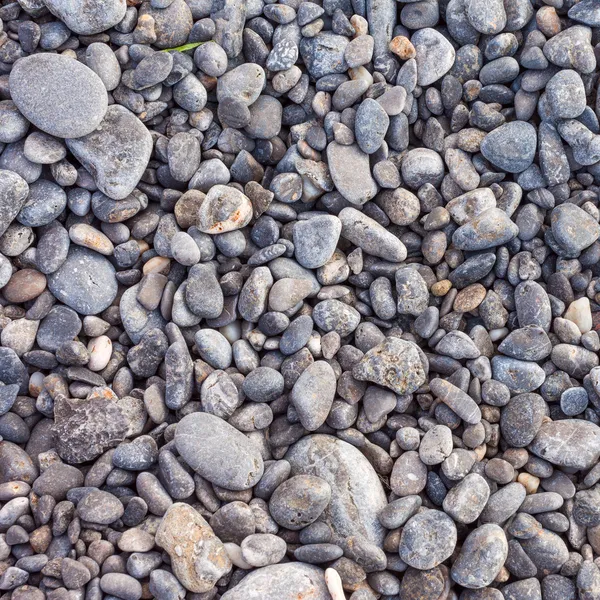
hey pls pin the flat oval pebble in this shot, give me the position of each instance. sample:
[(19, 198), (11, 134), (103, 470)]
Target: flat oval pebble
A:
[(218, 452), (427, 539), (481, 557), (85, 281), (73, 87), (87, 17), (573, 443)]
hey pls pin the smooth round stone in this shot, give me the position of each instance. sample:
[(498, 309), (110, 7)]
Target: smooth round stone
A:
[(351, 172), (116, 154), (214, 348), (435, 55), (299, 501), (421, 166), (571, 443), (481, 557), (60, 325), (370, 236), (102, 60), (313, 394), (511, 147), (436, 445), (518, 375), (263, 549), (573, 228), (24, 285), (428, 539), (243, 83), (333, 315), (522, 418), (218, 452), (547, 551), (288, 581), (136, 319), (172, 22), (466, 501), (565, 94), (16, 464), (85, 281), (486, 16), (492, 227), (45, 202), (203, 294), (57, 480), (71, 103), (13, 125), (100, 507), (357, 495), (371, 125), (224, 209), (315, 240), (88, 17), (43, 149), (13, 194)]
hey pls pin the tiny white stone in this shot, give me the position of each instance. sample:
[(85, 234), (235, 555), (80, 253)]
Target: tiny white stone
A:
[(580, 313), (100, 350), (334, 584)]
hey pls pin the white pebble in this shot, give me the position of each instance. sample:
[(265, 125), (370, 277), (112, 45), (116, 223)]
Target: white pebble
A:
[(580, 313), (334, 584), (100, 350)]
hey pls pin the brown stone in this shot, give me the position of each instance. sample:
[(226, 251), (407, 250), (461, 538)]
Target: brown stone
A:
[(469, 298), (402, 47), (24, 285), (186, 209)]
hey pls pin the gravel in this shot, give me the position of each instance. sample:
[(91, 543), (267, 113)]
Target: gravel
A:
[(299, 299)]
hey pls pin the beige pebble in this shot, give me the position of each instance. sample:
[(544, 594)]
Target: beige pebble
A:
[(402, 47), (100, 350), (441, 288), (157, 264), (87, 236), (334, 584), (361, 73), (530, 482), (360, 24), (580, 313)]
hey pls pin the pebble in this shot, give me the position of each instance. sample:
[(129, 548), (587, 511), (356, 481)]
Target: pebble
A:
[(427, 540), (198, 556), (581, 451), (350, 172), (85, 281), (395, 364), (434, 55), (121, 134), (200, 440), (481, 557), (281, 582), (70, 85)]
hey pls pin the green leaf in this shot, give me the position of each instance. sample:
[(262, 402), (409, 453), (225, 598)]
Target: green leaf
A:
[(185, 47)]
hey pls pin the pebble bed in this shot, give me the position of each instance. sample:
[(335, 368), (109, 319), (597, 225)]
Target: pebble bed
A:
[(299, 300)]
